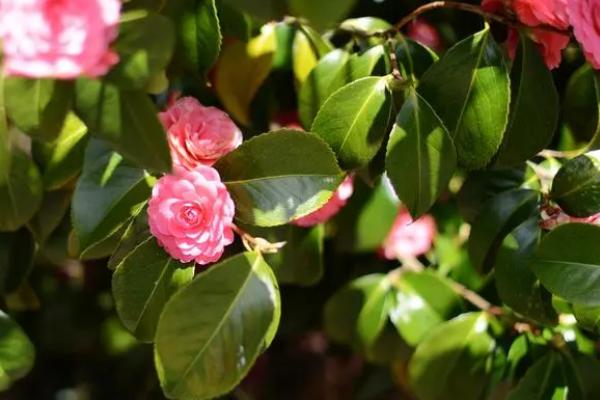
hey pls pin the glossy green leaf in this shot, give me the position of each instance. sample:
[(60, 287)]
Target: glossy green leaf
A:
[(20, 190), (234, 23), (319, 13), (17, 250), (307, 49), (581, 103), (373, 315), (16, 352), (38, 106), (198, 34), (368, 25), (469, 90), (127, 120), (206, 354), (142, 52), (373, 61), (413, 57), (107, 193), (499, 217), (241, 71), (534, 107), (576, 186), (62, 159), (517, 286), (568, 264), (354, 120), (55, 205), (136, 233), (422, 301), (279, 176), (141, 285), (421, 157), (452, 355), (588, 317)]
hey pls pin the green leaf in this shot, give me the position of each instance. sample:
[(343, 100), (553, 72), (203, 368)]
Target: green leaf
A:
[(343, 310), (576, 186), (279, 176), (198, 34), (241, 71), (234, 23), (265, 10), (107, 192), (38, 107), (354, 120), (320, 84), (568, 264), (142, 52), (321, 14), (62, 159), (366, 25), (581, 104), (534, 107), (127, 120), (142, 283), (421, 157), (373, 315), (517, 286), (546, 379), (307, 49), (451, 355), (469, 89), (588, 317), (499, 217), (135, 234), (16, 352), (54, 207), (17, 250), (20, 190), (205, 354), (422, 301), (300, 261), (413, 57)]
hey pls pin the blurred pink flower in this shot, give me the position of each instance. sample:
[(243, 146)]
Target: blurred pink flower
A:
[(584, 15), (542, 12), (424, 33), (332, 207), (58, 38), (190, 214), (409, 239), (198, 135)]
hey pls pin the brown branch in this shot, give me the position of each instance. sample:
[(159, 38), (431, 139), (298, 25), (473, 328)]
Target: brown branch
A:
[(259, 244), (475, 299)]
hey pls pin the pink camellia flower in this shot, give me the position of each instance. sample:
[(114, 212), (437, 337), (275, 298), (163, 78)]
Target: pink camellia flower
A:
[(191, 213), (584, 15), (332, 207), (60, 39), (198, 135), (424, 33), (542, 12), (408, 239)]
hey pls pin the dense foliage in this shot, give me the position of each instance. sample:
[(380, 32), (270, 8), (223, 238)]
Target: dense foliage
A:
[(300, 199)]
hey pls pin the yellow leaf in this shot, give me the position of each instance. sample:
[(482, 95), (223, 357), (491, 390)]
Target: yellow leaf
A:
[(308, 48)]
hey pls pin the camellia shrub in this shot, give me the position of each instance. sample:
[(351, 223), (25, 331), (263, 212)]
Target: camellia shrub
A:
[(419, 197)]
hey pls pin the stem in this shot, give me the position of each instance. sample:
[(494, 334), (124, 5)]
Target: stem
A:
[(475, 299), (394, 61), (261, 245)]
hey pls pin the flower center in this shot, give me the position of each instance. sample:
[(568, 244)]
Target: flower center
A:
[(191, 214)]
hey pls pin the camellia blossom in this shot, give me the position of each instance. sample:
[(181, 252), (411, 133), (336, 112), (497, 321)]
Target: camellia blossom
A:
[(60, 39), (408, 239), (191, 213), (424, 33), (332, 207), (198, 135), (542, 12), (584, 15)]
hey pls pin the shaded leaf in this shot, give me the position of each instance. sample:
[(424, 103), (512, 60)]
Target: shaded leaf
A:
[(17, 250), (16, 352), (576, 186)]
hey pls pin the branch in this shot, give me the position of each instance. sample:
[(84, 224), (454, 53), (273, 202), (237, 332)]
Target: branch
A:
[(259, 244)]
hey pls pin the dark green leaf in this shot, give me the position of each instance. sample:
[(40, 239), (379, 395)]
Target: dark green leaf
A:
[(126, 119), (354, 120), (279, 176), (580, 109), (17, 250), (198, 34), (62, 159), (234, 23), (499, 217), (107, 193), (205, 354), (421, 157), (422, 301), (576, 186), (319, 13), (142, 283), (414, 58), (38, 106), (534, 107), (266, 10), (588, 317), (54, 207), (452, 355), (517, 286), (16, 352), (142, 52), (469, 89), (567, 262), (135, 234)]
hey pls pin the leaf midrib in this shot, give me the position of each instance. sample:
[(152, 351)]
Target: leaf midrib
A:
[(291, 176)]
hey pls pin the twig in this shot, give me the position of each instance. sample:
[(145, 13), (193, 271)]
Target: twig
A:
[(475, 299), (394, 61), (259, 244)]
